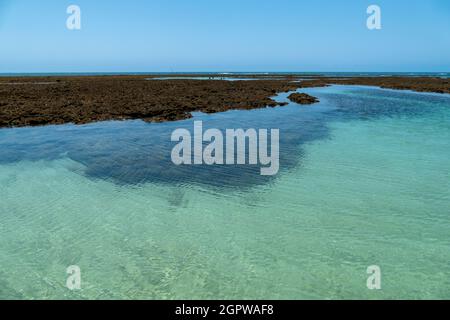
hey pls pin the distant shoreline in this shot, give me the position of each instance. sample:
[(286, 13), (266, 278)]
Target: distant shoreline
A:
[(231, 73), (79, 99)]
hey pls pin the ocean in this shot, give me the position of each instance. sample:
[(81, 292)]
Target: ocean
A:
[(230, 74), (364, 180)]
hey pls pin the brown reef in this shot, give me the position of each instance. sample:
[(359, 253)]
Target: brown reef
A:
[(420, 84), (302, 98), (31, 101)]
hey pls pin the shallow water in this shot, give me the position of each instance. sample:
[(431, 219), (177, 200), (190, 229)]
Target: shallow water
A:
[(363, 181)]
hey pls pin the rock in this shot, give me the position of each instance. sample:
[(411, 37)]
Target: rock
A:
[(303, 98)]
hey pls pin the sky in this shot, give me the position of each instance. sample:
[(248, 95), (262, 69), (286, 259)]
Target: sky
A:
[(224, 35)]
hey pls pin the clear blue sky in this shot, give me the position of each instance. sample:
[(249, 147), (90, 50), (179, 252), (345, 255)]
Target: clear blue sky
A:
[(224, 35)]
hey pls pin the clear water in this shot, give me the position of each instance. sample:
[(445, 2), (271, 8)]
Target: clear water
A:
[(364, 180)]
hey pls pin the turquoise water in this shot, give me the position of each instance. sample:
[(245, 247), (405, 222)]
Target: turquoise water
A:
[(364, 180)]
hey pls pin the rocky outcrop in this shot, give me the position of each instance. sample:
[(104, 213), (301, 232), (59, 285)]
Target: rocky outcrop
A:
[(38, 101), (303, 98)]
